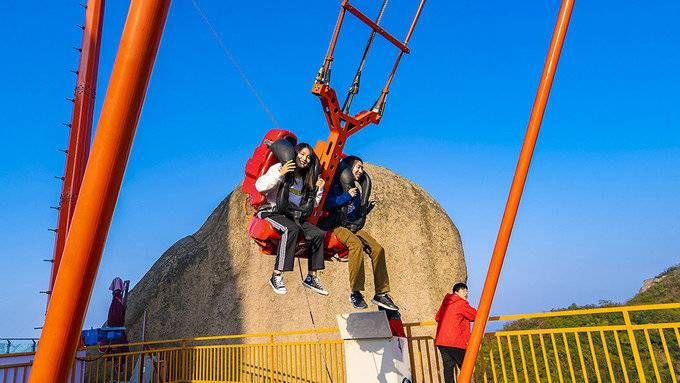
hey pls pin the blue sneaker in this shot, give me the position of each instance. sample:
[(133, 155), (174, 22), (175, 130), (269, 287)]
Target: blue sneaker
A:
[(357, 300), (313, 283)]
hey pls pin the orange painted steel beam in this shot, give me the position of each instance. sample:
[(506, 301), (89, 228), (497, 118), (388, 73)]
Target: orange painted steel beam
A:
[(81, 126), (516, 189), (99, 191), (342, 125), (382, 32), (324, 73), (383, 96)]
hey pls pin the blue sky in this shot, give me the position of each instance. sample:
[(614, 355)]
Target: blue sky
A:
[(600, 211)]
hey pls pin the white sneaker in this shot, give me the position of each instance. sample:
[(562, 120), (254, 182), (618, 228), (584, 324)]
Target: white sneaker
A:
[(276, 282)]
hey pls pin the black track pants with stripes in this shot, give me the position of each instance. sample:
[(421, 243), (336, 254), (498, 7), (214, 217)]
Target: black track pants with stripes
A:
[(285, 255)]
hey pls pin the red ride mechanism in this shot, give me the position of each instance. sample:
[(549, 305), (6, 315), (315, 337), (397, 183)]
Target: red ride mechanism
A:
[(341, 123), (260, 230)]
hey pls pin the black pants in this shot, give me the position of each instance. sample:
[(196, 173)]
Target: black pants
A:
[(451, 356), (285, 256)]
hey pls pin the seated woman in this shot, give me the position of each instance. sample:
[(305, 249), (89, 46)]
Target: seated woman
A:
[(303, 185), (349, 207)]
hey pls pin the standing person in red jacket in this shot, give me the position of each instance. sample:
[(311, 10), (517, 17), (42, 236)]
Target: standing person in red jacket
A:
[(453, 329)]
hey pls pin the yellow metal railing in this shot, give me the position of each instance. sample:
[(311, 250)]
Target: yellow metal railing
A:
[(16, 368), (629, 344), (296, 356), (614, 344), (16, 372)]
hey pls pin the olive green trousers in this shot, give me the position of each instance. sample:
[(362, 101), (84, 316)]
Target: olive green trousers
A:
[(355, 243)]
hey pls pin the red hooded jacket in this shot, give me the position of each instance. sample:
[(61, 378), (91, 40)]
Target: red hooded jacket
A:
[(453, 322)]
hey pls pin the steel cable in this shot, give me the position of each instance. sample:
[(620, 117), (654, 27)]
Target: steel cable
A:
[(354, 88), (235, 64)]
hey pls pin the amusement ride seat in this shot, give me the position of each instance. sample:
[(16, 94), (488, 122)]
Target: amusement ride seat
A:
[(261, 230)]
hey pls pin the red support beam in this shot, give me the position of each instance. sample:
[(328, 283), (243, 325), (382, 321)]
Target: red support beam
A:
[(323, 72), (342, 125), (386, 88), (516, 189), (372, 24), (99, 191), (81, 127)]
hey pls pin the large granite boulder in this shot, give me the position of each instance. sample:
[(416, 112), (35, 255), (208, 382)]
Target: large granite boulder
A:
[(216, 280)]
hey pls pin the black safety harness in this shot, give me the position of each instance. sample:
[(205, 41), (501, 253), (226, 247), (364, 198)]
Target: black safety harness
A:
[(345, 179), (284, 151)]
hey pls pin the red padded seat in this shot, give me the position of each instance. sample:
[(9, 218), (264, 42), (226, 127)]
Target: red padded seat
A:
[(260, 230)]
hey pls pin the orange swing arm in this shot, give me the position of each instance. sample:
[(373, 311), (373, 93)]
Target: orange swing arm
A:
[(81, 127), (341, 124), (99, 191), (516, 190)]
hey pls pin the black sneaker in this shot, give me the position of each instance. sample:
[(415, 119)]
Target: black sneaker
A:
[(384, 301), (313, 283), (357, 300), (276, 282)]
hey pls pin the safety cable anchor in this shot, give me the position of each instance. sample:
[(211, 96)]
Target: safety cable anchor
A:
[(74, 71), (65, 151), (353, 91), (66, 125), (80, 26), (379, 105), (48, 260), (323, 76), (51, 229), (78, 49), (70, 99), (60, 178), (48, 292), (55, 207), (319, 76)]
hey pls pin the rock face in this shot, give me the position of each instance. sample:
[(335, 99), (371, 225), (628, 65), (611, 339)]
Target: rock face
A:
[(649, 283), (216, 281), (664, 288)]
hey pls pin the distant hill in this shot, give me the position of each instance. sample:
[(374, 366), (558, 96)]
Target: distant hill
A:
[(664, 288)]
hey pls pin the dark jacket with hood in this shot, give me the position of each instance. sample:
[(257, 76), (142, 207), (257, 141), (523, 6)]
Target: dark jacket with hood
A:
[(343, 209)]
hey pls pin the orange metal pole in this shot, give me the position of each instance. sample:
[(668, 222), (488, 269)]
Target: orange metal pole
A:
[(386, 88), (81, 127), (516, 191), (99, 192), (323, 73)]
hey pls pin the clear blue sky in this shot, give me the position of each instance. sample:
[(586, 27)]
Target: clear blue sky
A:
[(600, 211)]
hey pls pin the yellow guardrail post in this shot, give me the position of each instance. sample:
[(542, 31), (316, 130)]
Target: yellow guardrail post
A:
[(270, 360), (185, 361), (607, 357), (409, 343), (668, 355), (634, 346), (651, 355), (500, 353)]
